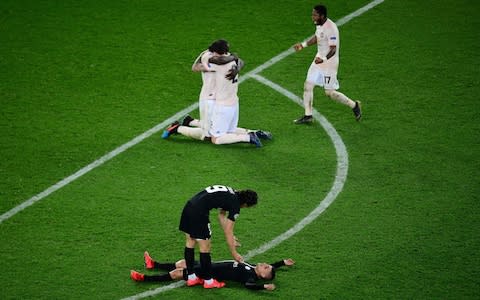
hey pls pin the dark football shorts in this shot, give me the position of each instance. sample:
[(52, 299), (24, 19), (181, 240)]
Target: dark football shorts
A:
[(195, 223)]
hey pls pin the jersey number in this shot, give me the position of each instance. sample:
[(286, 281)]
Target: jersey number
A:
[(219, 188), (327, 79)]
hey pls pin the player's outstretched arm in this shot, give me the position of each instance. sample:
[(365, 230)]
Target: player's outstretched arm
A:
[(285, 262), (254, 286), (309, 42)]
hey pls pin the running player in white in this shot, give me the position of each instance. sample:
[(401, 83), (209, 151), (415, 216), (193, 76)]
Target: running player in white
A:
[(323, 70)]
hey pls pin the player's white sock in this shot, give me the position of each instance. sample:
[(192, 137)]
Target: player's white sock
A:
[(195, 123), (231, 138), (209, 281), (308, 101), (240, 130), (339, 97), (193, 132)]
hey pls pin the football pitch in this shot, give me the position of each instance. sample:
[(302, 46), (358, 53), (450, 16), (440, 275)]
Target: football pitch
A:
[(385, 208)]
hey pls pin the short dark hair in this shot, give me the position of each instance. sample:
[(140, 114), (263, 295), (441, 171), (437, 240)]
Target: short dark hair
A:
[(248, 197), (321, 9), (219, 46)]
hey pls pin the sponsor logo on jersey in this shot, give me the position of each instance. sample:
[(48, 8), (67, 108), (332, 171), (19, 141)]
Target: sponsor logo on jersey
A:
[(333, 37)]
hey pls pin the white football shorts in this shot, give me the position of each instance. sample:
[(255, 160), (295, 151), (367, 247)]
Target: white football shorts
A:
[(224, 120), (327, 78), (206, 112)]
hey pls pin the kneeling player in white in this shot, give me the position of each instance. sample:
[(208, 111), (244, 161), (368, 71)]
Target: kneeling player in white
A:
[(224, 118)]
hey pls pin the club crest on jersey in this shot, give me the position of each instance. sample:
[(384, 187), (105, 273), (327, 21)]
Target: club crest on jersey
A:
[(236, 216)]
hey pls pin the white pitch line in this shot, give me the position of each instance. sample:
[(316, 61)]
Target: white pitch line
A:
[(340, 176), (95, 164), (148, 133), (337, 187), (342, 162), (342, 157)]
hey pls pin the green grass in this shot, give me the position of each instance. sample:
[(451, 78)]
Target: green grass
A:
[(80, 79)]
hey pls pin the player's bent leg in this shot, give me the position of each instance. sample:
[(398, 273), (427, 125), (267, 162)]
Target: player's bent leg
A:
[(230, 138), (240, 130), (187, 120), (339, 97), (307, 103), (308, 97), (262, 134), (342, 98), (204, 245), (192, 132)]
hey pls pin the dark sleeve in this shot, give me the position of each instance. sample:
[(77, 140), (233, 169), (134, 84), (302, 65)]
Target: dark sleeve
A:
[(278, 264), (252, 285), (222, 60), (234, 210)]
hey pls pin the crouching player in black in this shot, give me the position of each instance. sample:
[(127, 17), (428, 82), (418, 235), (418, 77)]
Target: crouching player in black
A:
[(229, 270)]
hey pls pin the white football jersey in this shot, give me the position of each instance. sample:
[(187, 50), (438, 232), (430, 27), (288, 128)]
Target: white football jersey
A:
[(328, 35), (208, 78), (225, 89)]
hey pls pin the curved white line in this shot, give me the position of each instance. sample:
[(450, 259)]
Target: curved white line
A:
[(340, 176), (341, 150)]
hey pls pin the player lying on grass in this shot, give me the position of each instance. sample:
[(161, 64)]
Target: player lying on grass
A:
[(229, 270)]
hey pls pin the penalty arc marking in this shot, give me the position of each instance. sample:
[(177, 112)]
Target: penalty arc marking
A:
[(340, 177), (341, 151)]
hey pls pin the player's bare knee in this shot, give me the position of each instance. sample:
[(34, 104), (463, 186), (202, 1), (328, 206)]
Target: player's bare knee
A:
[(189, 242), (204, 246), (329, 93), (308, 87)]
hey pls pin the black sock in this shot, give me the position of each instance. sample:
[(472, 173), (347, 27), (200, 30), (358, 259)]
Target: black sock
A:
[(158, 278), (189, 254), (164, 266), (206, 265)]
